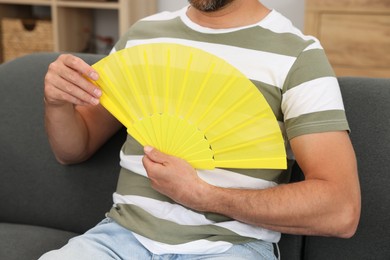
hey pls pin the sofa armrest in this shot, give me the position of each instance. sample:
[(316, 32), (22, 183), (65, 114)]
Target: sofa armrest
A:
[(34, 188)]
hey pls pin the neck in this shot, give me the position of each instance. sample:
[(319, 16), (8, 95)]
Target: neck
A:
[(236, 14)]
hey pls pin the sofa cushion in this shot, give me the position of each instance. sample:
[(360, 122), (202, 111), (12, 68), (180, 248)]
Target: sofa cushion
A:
[(290, 247), (29, 242)]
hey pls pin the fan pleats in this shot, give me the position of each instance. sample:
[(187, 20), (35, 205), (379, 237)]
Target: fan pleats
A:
[(191, 104)]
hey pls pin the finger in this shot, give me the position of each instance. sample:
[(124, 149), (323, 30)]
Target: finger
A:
[(155, 155), (73, 75), (79, 65), (69, 80), (147, 163), (76, 94), (65, 98), (56, 96), (82, 85), (152, 168), (56, 88)]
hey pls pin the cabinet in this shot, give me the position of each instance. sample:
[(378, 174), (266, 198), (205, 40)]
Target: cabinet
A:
[(354, 33), (73, 20)]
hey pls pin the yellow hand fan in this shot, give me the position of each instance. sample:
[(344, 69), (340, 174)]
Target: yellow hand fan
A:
[(191, 104)]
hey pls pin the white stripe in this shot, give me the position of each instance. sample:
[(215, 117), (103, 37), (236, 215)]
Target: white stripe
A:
[(194, 247), (249, 62), (251, 231), (217, 177), (229, 179), (313, 46), (182, 14), (312, 96), (278, 23), (182, 216), (133, 163), (165, 15), (202, 29)]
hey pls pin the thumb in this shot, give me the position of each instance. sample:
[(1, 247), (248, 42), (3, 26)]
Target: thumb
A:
[(155, 155)]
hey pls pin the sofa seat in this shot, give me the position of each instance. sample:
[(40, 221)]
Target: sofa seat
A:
[(31, 241), (44, 203)]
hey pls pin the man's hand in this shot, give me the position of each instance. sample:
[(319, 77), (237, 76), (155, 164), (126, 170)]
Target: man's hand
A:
[(75, 132), (174, 177), (66, 82)]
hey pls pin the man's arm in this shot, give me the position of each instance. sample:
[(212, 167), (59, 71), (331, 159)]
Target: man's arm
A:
[(326, 203), (76, 124)]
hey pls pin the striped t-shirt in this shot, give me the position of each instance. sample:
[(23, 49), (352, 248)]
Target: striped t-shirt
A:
[(293, 74)]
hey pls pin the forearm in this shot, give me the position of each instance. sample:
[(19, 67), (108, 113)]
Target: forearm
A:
[(316, 206), (326, 203), (67, 133), (312, 207)]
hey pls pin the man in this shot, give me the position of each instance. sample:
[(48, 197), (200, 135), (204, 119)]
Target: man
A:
[(174, 212)]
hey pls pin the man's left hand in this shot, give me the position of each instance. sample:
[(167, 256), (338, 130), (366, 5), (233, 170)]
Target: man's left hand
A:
[(174, 177)]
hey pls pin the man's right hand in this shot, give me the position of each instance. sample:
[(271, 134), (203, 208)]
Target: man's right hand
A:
[(67, 82)]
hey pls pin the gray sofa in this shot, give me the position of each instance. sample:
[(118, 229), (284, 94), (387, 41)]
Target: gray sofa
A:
[(43, 204)]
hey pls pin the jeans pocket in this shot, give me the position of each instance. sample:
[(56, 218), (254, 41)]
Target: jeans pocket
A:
[(107, 220), (262, 248)]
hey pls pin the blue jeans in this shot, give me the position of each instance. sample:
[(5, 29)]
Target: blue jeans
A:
[(109, 240)]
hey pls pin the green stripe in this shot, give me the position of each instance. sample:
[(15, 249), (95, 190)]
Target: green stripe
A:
[(273, 95), (325, 121), (255, 38), (311, 64), (132, 147), (130, 183), (144, 224)]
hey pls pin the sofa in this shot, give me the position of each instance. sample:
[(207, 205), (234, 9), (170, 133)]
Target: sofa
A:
[(43, 204)]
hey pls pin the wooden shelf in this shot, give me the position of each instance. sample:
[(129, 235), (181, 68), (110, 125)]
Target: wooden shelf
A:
[(25, 2), (73, 21), (89, 4)]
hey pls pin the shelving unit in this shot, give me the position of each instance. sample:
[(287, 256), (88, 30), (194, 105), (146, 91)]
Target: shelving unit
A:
[(354, 33), (73, 21)]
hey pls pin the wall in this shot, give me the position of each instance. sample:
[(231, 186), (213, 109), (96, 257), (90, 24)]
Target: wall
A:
[(293, 9)]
